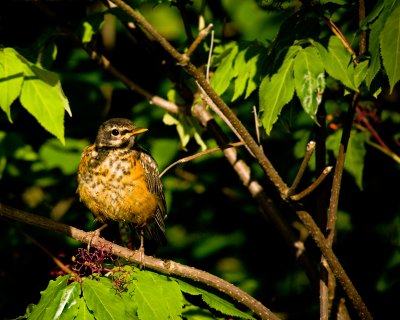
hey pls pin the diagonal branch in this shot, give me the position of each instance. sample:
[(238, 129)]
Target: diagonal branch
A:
[(202, 81)]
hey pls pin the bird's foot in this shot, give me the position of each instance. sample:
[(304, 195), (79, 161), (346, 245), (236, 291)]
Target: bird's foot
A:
[(95, 234)]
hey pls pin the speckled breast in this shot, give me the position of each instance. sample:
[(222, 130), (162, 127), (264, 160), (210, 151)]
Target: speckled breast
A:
[(112, 184)]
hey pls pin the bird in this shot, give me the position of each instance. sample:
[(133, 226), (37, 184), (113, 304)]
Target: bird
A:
[(118, 180)]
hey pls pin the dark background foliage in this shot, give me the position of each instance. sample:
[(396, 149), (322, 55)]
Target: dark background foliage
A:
[(213, 222)]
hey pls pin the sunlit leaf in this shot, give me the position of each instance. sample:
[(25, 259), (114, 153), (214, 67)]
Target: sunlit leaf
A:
[(58, 301), (186, 129), (225, 71), (102, 300), (157, 297), (245, 65), (360, 73), (11, 79), (277, 91), (44, 98), (390, 47), (91, 26), (309, 75), (338, 62), (83, 312)]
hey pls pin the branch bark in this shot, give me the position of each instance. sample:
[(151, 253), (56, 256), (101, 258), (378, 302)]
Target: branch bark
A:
[(167, 267)]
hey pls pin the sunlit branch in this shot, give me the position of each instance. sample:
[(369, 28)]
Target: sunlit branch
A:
[(167, 267), (202, 34), (309, 151), (313, 186), (199, 154)]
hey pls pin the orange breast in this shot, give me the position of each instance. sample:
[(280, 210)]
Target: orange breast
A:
[(113, 187)]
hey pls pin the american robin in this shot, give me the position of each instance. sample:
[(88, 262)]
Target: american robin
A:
[(119, 180)]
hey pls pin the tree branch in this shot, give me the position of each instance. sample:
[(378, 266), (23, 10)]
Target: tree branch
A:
[(335, 265), (313, 186), (167, 267), (309, 151)]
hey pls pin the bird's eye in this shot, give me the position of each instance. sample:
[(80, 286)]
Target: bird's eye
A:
[(115, 132)]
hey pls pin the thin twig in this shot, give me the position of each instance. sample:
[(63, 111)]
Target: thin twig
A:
[(371, 129), (342, 38), (202, 34), (209, 56), (328, 285), (334, 29), (391, 154), (311, 188), (309, 151), (57, 261), (199, 154)]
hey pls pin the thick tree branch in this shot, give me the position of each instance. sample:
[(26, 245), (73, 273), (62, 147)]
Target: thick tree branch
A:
[(167, 267)]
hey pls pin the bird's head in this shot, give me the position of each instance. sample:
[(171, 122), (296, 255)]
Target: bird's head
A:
[(117, 133)]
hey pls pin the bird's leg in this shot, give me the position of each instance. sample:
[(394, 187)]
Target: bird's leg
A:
[(95, 234), (141, 249)]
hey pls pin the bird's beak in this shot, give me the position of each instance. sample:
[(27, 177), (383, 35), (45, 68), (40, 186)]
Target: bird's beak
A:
[(138, 130)]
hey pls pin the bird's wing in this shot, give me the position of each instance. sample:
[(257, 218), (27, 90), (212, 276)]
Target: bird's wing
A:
[(155, 186)]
